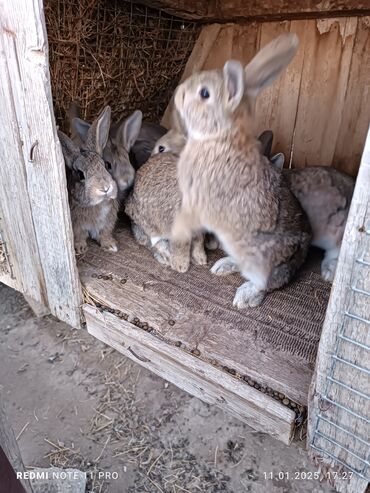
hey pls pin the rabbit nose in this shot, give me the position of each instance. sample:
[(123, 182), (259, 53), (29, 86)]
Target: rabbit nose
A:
[(107, 188)]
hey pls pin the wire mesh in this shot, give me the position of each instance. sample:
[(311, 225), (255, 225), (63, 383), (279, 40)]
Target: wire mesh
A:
[(114, 52), (332, 439)]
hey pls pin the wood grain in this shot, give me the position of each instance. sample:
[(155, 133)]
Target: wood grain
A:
[(350, 273), (318, 109), (193, 375), (227, 10), (9, 446), (34, 202)]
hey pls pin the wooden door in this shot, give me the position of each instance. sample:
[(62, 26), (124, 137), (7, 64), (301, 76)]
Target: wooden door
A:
[(339, 401), (36, 241)]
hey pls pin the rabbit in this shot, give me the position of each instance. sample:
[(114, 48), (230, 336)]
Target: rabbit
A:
[(227, 186), (152, 205), (325, 195), (173, 141), (92, 190), (142, 149), (116, 152)]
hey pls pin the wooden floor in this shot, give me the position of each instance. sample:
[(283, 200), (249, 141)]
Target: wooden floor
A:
[(274, 345)]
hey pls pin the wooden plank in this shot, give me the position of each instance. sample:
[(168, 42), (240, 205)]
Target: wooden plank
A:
[(9, 446), (193, 375), (261, 10), (355, 113), (33, 193), (38, 310), (350, 273), (274, 345), (318, 108), (327, 46)]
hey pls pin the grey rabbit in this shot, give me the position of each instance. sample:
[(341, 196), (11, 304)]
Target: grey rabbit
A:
[(122, 137), (143, 147), (92, 190), (325, 195), (227, 186)]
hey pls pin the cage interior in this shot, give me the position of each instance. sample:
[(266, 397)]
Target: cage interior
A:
[(132, 57)]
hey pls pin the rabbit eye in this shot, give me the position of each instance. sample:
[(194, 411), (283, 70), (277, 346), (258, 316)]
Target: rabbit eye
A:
[(161, 149), (108, 165), (204, 93), (81, 174)]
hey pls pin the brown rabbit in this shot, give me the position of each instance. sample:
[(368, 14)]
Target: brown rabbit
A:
[(325, 195), (116, 152), (152, 205), (227, 186), (92, 190)]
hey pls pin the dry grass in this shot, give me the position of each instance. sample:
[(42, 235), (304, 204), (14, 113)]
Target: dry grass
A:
[(114, 52)]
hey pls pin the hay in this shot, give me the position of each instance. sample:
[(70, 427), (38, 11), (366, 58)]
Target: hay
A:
[(114, 52)]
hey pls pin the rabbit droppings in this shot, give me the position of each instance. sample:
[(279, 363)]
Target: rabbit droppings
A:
[(116, 151), (227, 186), (92, 191)]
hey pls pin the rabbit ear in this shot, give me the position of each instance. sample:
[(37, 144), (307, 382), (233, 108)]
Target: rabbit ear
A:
[(278, 161), (128, 131), (97, 135), (270, 62), (69, 149), (266, 139), (80, 127), (234, 78)]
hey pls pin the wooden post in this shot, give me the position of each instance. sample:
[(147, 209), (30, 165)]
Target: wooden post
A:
[(10, 457), (339, 401), (34, 212)]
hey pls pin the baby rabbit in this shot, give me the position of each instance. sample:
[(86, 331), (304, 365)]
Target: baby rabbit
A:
[(141, 151), (325, 195), (116, 152), (227, 186), (92, 190), (152, 205), (173, 141)]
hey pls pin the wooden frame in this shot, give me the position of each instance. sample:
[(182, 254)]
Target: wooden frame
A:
[(34, 216), (348, 299)]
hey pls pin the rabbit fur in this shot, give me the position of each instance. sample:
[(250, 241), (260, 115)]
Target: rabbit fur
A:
[(92, 190), (173, 141), (141, 151), (325, 195), (227, 186), (152, 205), (116, 152)]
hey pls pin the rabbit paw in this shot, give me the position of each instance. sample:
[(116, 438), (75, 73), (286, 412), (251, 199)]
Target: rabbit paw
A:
[(248, 295), (328, 269), (224, 267), (161, 258), (180, 264), (199, 256), (110, 245), (80, 247)]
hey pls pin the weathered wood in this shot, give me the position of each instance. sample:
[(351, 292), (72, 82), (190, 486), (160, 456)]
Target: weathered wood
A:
[(274, 345), (38, 309), (318, 109), (33, 195), (8, 444), (228, 10), (350, 274), (201, 379)]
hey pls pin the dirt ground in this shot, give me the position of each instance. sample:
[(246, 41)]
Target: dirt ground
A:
[(74, 402)]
